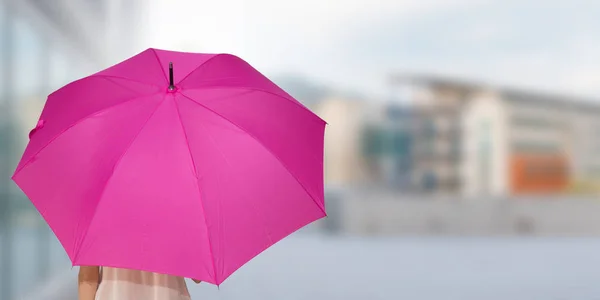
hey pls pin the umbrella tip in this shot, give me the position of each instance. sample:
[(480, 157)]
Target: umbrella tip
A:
[(171, 84)]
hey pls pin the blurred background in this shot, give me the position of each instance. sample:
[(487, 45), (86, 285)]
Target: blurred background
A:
[(462, 154)]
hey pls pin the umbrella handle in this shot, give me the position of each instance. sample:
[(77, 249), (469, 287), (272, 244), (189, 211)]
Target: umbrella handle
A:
[(171, 84)]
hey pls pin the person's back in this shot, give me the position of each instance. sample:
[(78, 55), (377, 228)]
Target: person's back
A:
[(124, 284)]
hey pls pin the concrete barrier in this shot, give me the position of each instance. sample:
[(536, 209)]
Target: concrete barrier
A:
[(376, 214)]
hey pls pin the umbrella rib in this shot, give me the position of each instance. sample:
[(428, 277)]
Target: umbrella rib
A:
[(101, 76), (187, 143), (79, 121), (216, 145), (122, 78), (198, 67), (160, 65), (114, 80), (112, 173), (260, 90), (253, 89), (219, 148), (263, 145)]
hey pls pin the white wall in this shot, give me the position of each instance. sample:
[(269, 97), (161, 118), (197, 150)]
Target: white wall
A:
[(555, 134), (585, 144), (343, 161), (485, 108)]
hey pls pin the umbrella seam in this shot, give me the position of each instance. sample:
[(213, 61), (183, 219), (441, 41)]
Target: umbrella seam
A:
[(212, 139), (292, 100), (198, 67), (115, 80), (78, 252), (251, 89), (264, 146), (264, 223), (187, 142), (162, 70), (123, 78), (77, 123), (95, 76)]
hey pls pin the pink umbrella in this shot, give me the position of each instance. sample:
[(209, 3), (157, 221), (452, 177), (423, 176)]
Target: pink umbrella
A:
[(191, 175)]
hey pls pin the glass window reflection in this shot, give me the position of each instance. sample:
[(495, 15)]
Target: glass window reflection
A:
[(27, 47), (3, 46), (59, 70)]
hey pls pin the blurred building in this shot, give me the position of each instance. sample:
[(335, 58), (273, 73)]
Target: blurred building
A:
[(44, 45), (394, 146), (386, 145), (479, 140), (343, 162), (47, 44), (540, 143), (438, 136), (416, 139)]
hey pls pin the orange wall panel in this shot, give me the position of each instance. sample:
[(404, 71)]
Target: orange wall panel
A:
[(538, 173)]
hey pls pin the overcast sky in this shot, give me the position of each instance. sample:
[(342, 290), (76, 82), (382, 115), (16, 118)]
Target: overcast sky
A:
[(547, 45)]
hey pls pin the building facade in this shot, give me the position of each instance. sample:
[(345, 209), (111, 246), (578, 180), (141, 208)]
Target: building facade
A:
[(436, 131), (343, 162), (511, 142), (541, 144)]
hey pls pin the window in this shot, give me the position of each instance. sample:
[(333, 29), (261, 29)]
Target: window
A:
[(4, 133), (455, 150), (27, 48), (59, 69), (429, 181), (66, 66), (3, 46), (373, 141), (401, 143), (429, 129)]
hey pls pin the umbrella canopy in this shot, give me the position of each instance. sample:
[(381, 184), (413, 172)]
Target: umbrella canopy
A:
[(191, 172)]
